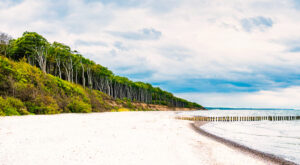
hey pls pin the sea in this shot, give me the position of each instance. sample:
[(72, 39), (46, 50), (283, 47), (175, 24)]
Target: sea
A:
[(280, 138)]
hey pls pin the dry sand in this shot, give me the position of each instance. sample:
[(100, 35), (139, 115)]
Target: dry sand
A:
[(110, 138)]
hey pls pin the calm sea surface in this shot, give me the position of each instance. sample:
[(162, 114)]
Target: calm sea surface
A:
[(281, 138)]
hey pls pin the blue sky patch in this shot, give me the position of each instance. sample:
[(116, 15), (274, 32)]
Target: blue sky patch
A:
[(143, 34), (121, 3), (90, 43), (259, 22), (295, 49)]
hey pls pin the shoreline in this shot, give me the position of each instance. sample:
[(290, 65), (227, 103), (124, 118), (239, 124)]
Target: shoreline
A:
[(258, 154)]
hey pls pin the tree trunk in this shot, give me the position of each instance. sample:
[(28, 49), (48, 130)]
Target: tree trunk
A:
[(41, 57), (58, 66), (83, 78)]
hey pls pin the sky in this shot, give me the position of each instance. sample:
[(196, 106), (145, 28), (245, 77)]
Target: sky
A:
[(218, 53)]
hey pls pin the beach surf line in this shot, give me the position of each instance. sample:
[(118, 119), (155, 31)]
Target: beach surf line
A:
[(269, 158)]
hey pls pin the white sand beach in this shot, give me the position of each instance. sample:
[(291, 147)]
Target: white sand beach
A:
[(110, 138)]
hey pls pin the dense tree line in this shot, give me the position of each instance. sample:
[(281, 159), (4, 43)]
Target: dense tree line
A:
[(60, 60)]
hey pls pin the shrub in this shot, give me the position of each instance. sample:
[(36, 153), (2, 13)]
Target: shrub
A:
[(43, 105), (79, 106), (123, 110), (2, 113), (25, 91), (10, 111), (18, 105), (120, 110), (97, 102), (41, 109), (12, 106), (129, 105), (119, 101), (5, 66)]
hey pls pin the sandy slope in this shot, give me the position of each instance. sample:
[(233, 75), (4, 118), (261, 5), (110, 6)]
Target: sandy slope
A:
[(110, 138)]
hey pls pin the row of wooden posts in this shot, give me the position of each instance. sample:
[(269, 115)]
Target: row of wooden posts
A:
[(238, 118)]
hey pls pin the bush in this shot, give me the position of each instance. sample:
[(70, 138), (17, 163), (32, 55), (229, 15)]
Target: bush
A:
[(130, 105), (79, 106), (119, 101), (5, 66), (12, 106), (123, 110), (2, 113), (120, 110), (10, 111), (43, 105), (97, 102), (41, 108), (125, 102), (18, 105)]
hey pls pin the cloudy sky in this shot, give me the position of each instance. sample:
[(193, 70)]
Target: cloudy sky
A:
[(218, 53)]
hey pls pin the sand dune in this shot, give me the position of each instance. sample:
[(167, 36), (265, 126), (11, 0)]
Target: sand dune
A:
[(110, 138)]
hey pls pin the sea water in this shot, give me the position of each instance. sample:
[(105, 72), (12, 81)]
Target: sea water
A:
[(281, 138)]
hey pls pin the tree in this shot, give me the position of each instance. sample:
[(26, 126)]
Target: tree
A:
[(58, 59), (59, 51), (68, 65), (4, 43), (76, 65), (41, 54), (82, 74), (32, 46)]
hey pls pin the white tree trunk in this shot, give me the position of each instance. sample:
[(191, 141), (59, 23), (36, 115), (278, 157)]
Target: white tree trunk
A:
[(58, 66), (41, 57), (83, 78)]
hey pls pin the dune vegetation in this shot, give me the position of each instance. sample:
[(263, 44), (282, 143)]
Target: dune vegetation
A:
[(38, 77)]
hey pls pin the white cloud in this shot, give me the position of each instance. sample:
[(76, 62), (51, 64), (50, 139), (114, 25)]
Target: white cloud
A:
[(197, 39), (278, 98)]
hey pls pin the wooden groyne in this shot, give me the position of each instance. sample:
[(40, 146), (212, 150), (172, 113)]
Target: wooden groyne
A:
[(237, 118)]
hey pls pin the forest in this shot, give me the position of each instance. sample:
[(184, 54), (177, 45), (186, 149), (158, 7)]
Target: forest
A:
[(63, 63)]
